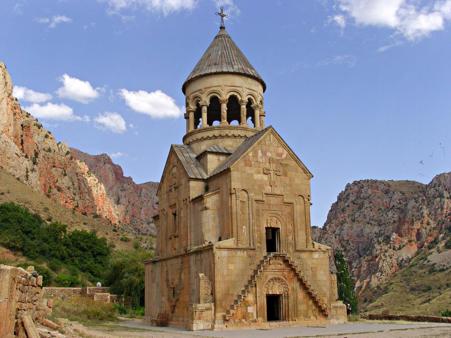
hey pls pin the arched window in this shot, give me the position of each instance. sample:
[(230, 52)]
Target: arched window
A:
[(250, 113), (233, 110), (214, 111)]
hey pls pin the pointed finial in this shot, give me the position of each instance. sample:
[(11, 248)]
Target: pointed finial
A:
[(222, 15)]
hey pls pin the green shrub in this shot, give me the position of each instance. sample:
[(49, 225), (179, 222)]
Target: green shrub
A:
[(55, 265), (77, 251), (126, 276), (47, 275), (67, 280), (121, 309), (448, 243), (445, 313)]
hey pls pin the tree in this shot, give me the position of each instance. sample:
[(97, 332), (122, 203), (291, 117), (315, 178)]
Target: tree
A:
[(345, 283), (126, 276)]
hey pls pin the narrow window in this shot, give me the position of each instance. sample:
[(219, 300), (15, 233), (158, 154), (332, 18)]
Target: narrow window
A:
[(272, 240), (174, 222)]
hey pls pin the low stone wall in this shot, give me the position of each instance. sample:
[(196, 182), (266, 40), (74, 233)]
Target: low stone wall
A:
[(92, 290), (411, 318), (61, 293), (21, 302), (99, 294)]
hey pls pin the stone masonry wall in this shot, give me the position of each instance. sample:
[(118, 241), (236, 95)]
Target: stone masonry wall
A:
[(100, 294), (21, 302)]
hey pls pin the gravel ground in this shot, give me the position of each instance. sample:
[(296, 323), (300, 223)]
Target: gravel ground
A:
[(137, 329)]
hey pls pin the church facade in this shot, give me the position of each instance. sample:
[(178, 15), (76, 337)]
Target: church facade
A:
[(234, 244)]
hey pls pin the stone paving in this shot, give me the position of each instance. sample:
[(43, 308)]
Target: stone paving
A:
[(358, 329)]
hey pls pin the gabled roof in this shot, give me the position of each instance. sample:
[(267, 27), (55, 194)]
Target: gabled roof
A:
[(223, 56), (188, 159), (247, 145), (194, 169), (217, 149)]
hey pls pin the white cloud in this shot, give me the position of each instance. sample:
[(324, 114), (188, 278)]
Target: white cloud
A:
[(162, 6), (54, 21), (230, 8), (111, 121), (339, 20), (371, 12), (51, 111), (77, 90), (117, 155), (29, 95), (413, 19), (155, 104)]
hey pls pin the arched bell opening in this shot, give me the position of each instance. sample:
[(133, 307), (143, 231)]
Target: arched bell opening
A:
[(233, 111), (214, 111), (250, 114), (198, 116)]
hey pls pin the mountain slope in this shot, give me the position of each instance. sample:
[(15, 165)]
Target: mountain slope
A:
[(388, 231), (31, 154), (135, 202), (12, 190)]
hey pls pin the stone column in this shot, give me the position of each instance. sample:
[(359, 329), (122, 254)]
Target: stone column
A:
[(262, 119), (190, 120), (187, 122), (256, 116), (243, 112), (224, 112), (204, 114)]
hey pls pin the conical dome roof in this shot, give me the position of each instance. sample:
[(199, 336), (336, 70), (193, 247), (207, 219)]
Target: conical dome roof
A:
[(223, 56)]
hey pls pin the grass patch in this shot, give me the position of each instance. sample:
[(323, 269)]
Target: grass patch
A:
[(419, 289), (353, 318), (84, 310)]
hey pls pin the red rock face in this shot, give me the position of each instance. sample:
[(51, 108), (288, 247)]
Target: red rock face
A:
[(30, 153), (380, 225), (137, 203)]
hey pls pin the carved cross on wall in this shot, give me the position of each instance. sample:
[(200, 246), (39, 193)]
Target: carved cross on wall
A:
[(272, 172), (173, 187)]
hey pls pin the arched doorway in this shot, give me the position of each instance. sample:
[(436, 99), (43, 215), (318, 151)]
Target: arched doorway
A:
[(276, 292)]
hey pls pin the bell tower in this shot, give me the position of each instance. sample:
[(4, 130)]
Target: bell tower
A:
[(224, 97)]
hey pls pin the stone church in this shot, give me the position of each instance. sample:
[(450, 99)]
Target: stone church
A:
[(234, 245)]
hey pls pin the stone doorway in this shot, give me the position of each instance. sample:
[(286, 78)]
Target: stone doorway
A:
[(273, 307), (272, 239)]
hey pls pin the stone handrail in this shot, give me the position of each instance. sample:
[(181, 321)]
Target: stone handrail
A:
[(259, 269)]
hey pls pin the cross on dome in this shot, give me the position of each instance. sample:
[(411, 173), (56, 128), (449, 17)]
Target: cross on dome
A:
[(222, 15)]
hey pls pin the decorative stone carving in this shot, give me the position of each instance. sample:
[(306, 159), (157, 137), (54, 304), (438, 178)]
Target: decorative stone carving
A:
[(273, 222), (276, 286)]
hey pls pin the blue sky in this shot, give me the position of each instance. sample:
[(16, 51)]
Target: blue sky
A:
[(358, 88)]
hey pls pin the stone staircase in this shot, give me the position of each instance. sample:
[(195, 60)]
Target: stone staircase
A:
[(259, 269)]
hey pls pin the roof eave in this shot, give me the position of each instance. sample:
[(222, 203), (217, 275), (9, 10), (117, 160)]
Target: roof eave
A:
[(189, 80)]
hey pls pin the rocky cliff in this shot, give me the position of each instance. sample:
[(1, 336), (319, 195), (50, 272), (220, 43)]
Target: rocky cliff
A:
[(136, 203), (381, 225), (30, 153)]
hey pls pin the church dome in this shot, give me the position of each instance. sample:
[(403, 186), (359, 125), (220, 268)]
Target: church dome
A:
[(223, 57)]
